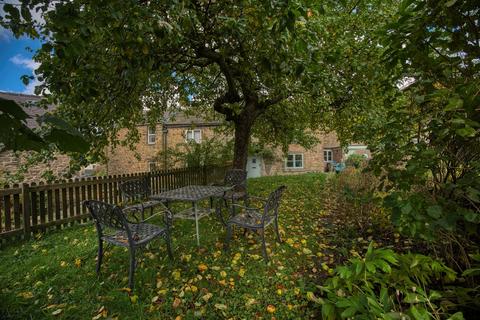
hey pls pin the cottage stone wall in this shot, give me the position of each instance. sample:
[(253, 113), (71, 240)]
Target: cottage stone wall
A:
[(313, 160), (122, 160), (11, 162)]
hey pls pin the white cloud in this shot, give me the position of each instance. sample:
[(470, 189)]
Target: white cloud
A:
[(31, 65), (5, 35), (24, 62)]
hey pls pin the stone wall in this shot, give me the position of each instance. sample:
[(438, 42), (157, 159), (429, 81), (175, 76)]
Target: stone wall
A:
[(122, 160), (11, 162), (313, 160)]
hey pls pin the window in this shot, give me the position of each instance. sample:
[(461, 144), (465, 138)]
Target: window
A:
[(327, 155), (294, 161), (151, 135), (152, 166), (195, 135)]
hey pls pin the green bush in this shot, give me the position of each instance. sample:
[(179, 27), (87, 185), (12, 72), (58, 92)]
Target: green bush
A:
[(210, 152), (387, 285), (352, 196), (356, 160)]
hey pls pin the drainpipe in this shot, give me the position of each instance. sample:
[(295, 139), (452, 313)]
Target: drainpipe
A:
[(164, 142)]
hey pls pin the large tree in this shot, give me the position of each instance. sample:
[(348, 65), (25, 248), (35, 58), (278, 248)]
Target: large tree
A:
[(266, 66)]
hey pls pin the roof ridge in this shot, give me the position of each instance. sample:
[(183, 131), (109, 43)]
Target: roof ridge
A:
[(20, 94)]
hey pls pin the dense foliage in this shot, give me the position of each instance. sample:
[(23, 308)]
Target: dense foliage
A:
[(209, 152), (268, 67)]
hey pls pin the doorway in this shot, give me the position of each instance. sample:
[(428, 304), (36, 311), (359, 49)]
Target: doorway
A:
[(254, 167)]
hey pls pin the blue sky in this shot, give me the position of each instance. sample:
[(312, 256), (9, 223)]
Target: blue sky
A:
[(15, 61)]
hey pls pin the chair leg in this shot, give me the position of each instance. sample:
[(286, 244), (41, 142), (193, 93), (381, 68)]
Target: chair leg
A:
[(100, 255), (229, 237), (218, 211), (151, 211), (169, 245), (132, 269), (277, 232), (264, 245)]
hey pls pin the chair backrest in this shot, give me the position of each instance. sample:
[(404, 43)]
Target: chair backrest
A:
[(236, 178), (272, 203), (106, 215), (135, 190)]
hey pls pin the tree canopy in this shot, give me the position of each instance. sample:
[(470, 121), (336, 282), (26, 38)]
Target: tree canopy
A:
[(268, 67)]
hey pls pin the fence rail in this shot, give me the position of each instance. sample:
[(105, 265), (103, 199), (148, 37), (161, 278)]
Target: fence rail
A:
[(30, 208)]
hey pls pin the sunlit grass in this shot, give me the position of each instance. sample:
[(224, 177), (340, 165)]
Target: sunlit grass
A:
[(54, 275)]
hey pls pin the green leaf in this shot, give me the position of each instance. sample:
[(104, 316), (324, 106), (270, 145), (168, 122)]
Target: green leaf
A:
[(66, 141), (328, 311), (450, 3), (456, 316), (471, 272), (466, 132), (434, 211), (349, 312), (454, 104), (12, 108), (419, 313), (12, 10)]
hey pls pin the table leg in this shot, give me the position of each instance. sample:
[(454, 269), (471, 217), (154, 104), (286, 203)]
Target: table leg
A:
[(196, 222)]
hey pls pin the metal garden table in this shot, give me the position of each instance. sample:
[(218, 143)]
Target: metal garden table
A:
[(192, 194)]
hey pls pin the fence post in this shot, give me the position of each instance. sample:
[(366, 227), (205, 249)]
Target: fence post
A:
[(204, 175), (26, 210)]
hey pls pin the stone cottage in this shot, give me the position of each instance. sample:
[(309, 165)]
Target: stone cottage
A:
[(153, 140)]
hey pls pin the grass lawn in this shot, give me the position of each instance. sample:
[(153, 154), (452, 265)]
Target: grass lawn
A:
[(54, 276)]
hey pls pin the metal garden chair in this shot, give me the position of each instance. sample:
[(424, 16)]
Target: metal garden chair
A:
[(237, 180), (114, 228), (135, 194), (255, 219)]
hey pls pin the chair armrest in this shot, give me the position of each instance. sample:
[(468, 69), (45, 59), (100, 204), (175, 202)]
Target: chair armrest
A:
[(131, 212), (245, 207), (257, 198)]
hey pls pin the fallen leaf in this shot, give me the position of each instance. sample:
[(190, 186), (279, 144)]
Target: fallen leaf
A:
[(57, 312), (271, 308), (134, 298), (176, 275), (207, 297), (26, 295), (220, 306), (176, 303), (241, 272), (202, 267)]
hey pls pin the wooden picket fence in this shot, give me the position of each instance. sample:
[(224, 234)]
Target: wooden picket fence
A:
[(31, 208)]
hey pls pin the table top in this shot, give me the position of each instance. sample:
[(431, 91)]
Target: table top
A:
[(190, 193)]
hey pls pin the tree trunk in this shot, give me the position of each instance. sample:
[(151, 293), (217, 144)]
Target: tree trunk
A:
[(243, 129), (242, 140)]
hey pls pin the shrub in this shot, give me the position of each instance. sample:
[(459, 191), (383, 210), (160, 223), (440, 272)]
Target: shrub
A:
[(387, 285), (353, 199), (210, 152), (356, 160)]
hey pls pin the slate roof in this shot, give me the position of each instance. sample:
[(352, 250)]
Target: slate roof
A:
[(28, 102)]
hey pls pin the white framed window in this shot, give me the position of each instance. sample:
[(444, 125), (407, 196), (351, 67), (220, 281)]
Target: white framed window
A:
[(151, 135), (327, 155), (294, 161), (195, 135), (152, 166)]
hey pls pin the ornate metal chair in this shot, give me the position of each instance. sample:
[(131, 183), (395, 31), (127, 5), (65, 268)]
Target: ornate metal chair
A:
[(237, 180), (255, 219), (113, 227), (135, 194)]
